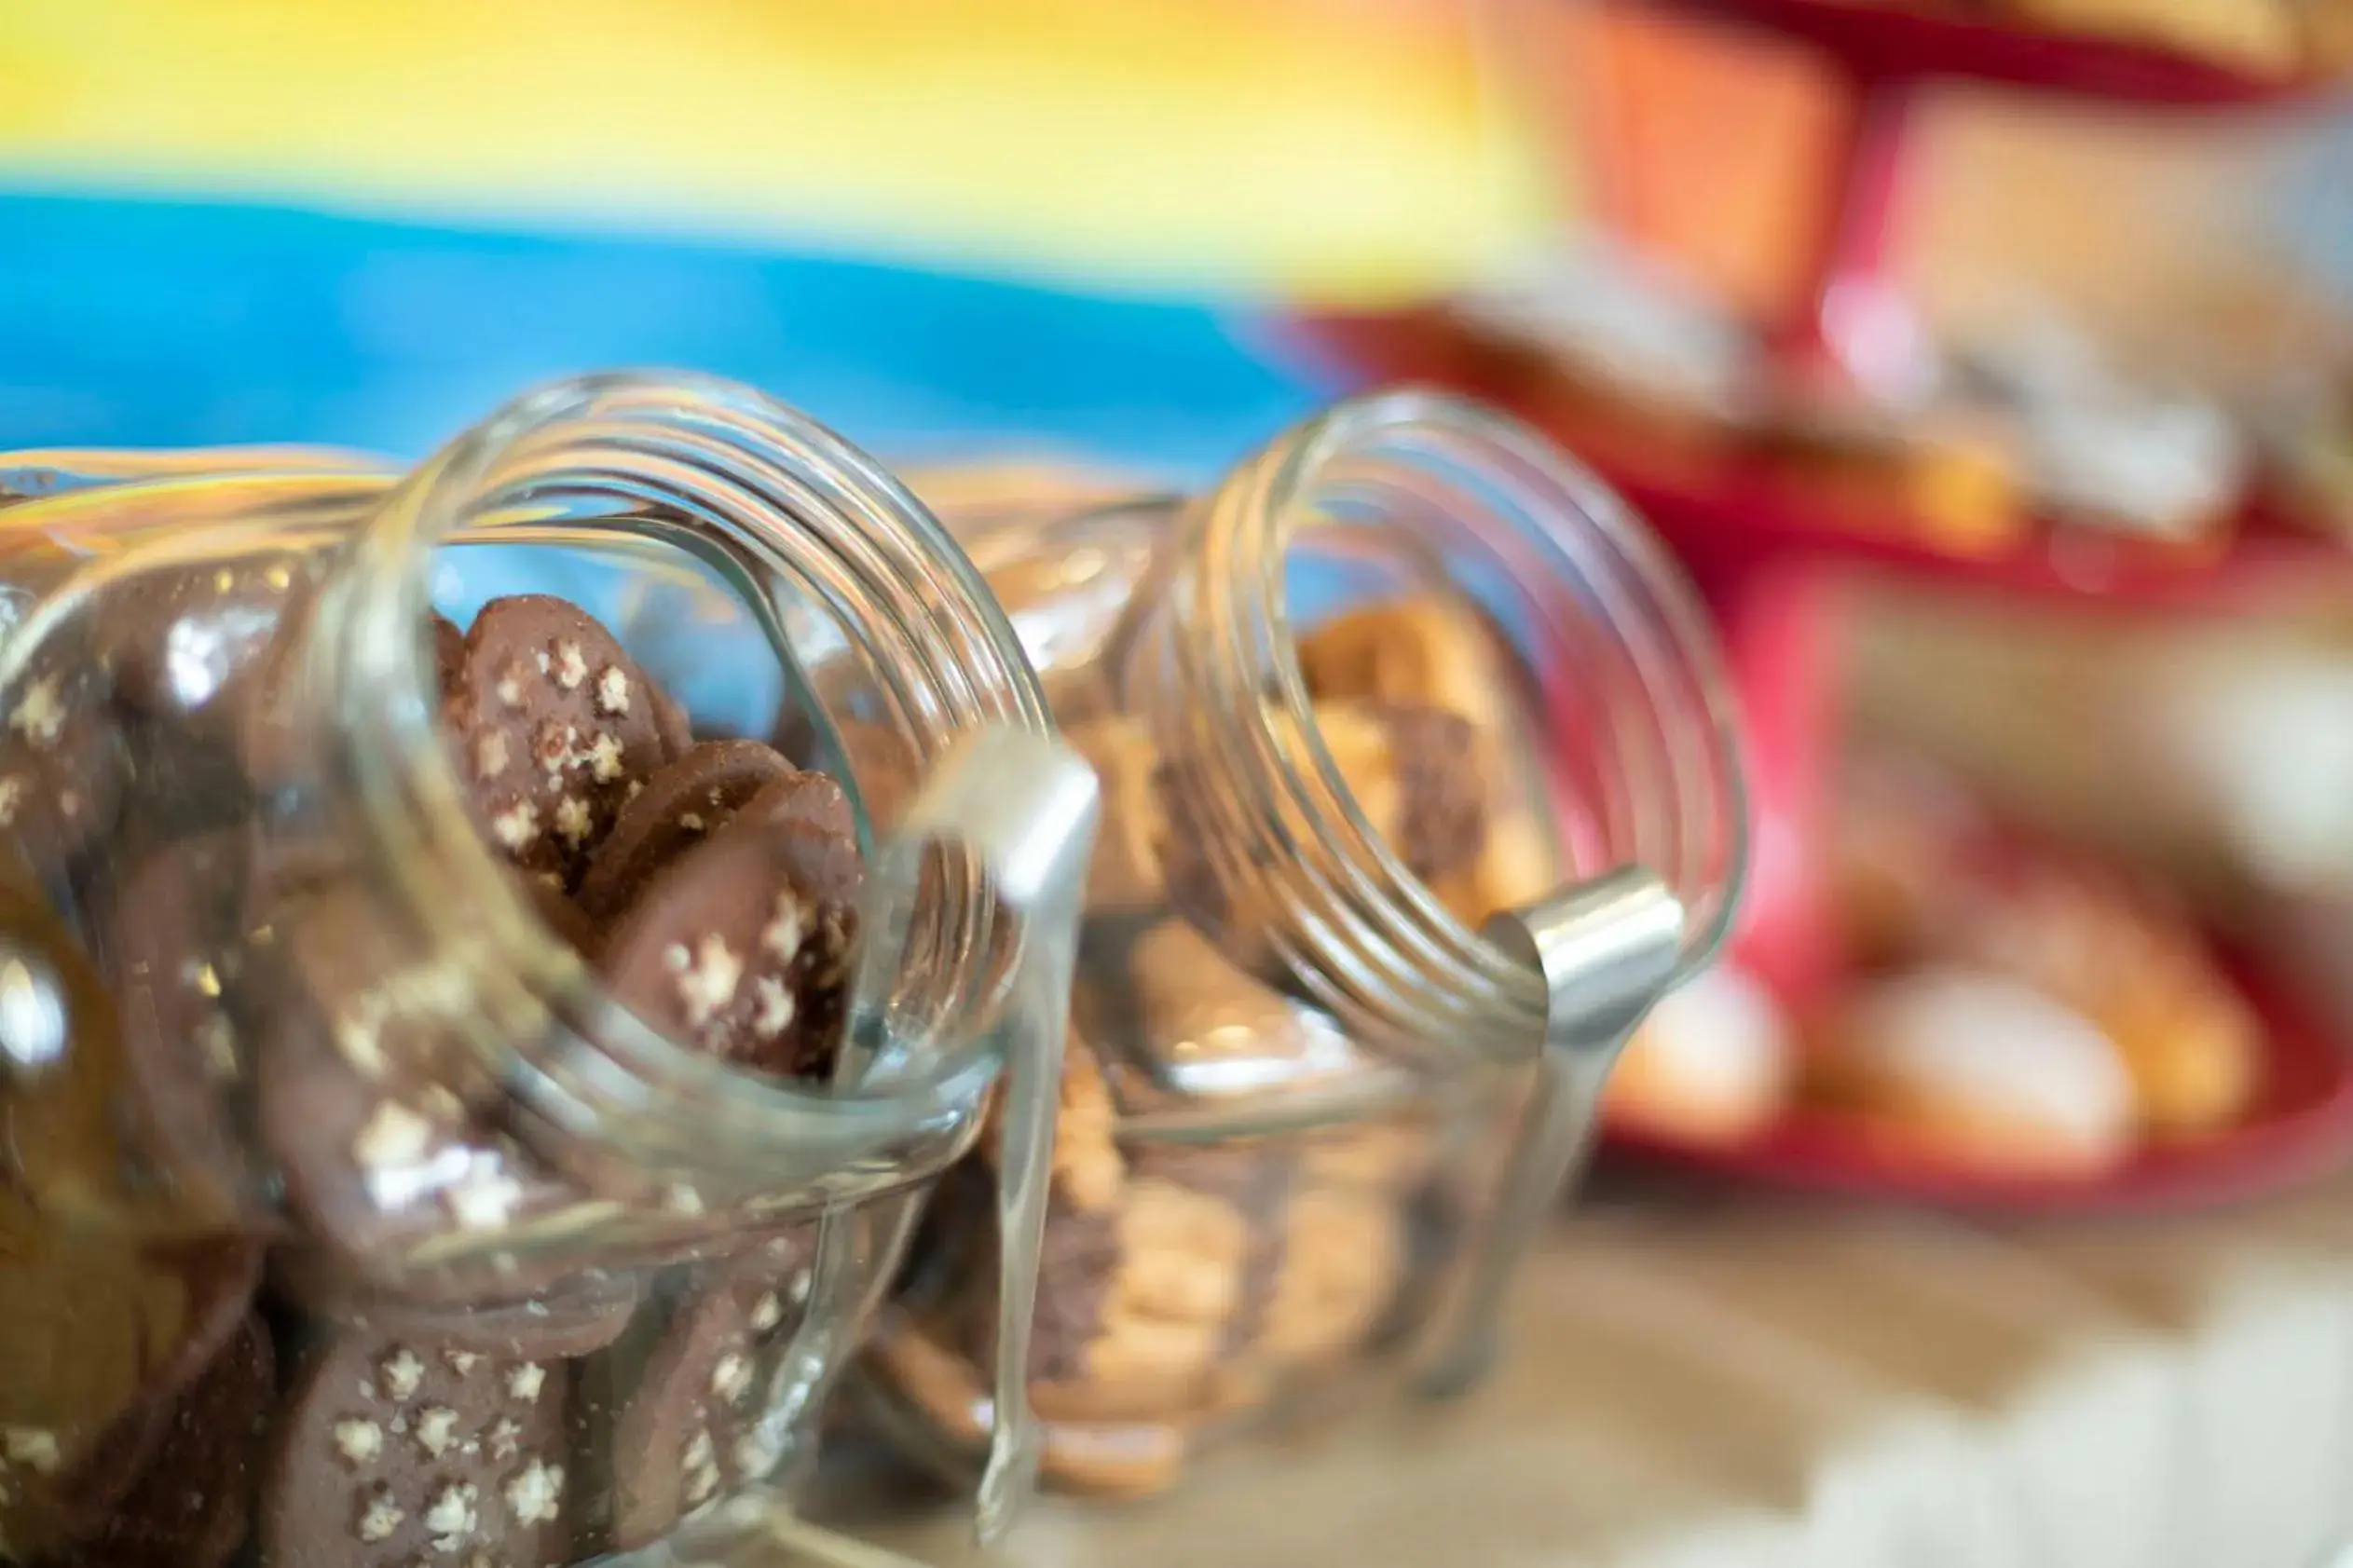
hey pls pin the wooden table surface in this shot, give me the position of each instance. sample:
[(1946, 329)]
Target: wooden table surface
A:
[(1705, 1383)]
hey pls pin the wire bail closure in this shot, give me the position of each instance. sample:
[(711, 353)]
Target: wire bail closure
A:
[(1608, 950), (1023, 809)]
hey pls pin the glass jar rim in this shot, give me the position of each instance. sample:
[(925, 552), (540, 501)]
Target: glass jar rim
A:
[(1269, 501), (402, 773)]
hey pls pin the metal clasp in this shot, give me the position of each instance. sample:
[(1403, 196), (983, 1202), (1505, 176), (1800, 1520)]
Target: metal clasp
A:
[(1608, 950)]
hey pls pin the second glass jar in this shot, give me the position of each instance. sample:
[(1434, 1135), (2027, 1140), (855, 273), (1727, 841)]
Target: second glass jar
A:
[(1403, 670)]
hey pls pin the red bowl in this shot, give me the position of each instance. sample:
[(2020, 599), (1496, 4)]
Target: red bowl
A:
[(1728, 514), (1897, 40), (1783, 643), (2300, 1130)]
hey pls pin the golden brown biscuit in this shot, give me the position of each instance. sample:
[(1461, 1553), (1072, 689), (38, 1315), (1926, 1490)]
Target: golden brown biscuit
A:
[(1978, 1069), (1420, 774), (1427, 651), (1344, 1260), (2189, 1040), (1715, 1062), (1198, 1012)]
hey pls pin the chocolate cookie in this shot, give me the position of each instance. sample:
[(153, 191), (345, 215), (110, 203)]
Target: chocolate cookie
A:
[(741, 946), (686, 799), (192, 1502), (353, 1097), (562, 915), (187, 641), (449, 654), (62, 768), (390, 1453), (100, 1337), (1418, 775), (688, 1431), (176, 949), (570, 1318), (549, 730), (670, 721)]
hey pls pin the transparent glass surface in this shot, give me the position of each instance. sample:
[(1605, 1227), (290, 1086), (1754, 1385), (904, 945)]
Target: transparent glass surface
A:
[(381, 1184), (1402, 670)]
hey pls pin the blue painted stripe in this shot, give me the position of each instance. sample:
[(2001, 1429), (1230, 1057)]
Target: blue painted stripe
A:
[(172, 323)]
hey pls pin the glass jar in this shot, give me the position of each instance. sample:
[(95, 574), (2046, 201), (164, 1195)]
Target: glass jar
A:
[(459, 1107), (1419, 787)]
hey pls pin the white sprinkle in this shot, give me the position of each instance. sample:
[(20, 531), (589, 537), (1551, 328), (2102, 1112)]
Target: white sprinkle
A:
[(461, 1361), (542, 663), (403, 1372), (604, 761), (524, 1382), (359, 1441), (775, 1007), (398, 1425), (613, 690), (731, 1379), (702, 1469), (510, 688), (383, 1517), (800, 1289), (752, 1457), (504, 1439), (767, 1312), (394, 1135), (557, 749), (486, 1198), (39, 715), (534, 1495), (436, 1429), (490, 754), (636, 788), (572, 668), (518, 826), (782, 936), (11, 796), (32, 1446), (355, 1034), (710, 983), (682, 1199), (690, 822), (451, 1518), (572, 821), (218, 1042)]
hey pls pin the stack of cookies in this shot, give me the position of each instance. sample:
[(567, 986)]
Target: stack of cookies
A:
[(289, 1382), (1187, 1286)]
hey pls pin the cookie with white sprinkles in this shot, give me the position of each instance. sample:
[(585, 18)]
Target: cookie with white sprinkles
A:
[(687, 799), (391, 1452), (192, 1503), (688, 1433), (175, 948), (190, 641), (61, 766), (741, 946), (550, 730)]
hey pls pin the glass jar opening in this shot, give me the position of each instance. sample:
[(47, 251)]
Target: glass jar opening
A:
[(1608, 665), (865, 644)]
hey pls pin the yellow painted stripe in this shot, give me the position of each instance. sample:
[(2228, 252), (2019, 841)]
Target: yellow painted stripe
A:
[(1347, 150)]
